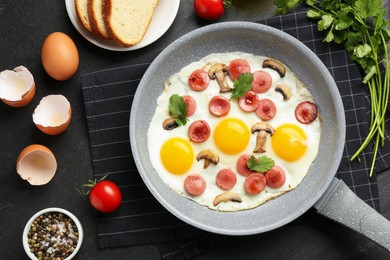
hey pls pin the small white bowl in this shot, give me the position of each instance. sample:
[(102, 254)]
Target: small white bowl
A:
[(47, 210)]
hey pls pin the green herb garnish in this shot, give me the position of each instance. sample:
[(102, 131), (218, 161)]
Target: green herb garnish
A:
[(242, 85), (261, 164), (178, 109), (360, 26)]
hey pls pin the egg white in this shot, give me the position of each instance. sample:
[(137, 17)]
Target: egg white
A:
[(178, 84)]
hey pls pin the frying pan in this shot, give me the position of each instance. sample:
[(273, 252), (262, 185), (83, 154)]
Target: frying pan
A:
[(320, 188)]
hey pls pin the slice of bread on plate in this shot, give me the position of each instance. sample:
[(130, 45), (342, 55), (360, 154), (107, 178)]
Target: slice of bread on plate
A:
[(82, 13), (95, 13), (127, 21)]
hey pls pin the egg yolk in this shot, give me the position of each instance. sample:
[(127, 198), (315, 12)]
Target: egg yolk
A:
[(231, 136), (177, 155), (289, 142)]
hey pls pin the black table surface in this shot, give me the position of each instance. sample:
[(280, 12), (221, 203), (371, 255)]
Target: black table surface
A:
[(23, 27)]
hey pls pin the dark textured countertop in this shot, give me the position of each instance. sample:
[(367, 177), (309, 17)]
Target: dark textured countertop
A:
[(24, 26)]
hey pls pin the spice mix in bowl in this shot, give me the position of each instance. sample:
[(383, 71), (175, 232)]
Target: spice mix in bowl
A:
[(52, 233)]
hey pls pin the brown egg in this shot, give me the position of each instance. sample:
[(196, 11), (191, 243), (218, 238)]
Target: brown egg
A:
[(60, 57), (52, 115), (36, 164), (18, 87)]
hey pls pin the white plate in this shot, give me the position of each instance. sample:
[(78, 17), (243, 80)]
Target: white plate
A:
[(163, 17)]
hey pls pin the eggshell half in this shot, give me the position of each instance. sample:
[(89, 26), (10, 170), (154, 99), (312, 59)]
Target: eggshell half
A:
[(52, 115), (36, 164), (17, 86)]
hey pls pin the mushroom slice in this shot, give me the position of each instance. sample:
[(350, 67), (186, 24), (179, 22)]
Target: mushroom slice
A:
[(219, 71), (284, 90), (227, 196), (209, 156), (262, 129), (275, 65), (169, 123)]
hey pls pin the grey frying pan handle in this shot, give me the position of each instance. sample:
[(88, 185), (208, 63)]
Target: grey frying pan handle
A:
[(340, 204)]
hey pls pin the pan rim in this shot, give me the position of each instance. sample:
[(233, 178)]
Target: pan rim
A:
[(335, 96)]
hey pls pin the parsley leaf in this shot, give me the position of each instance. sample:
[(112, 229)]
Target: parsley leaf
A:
[(362, 50), (242, 85), (178, 109), (367, 8), (261, 164), (325, 22), (343, 21), (315, 14)]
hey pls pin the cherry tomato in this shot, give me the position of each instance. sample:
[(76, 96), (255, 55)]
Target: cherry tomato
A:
[(105, 196), (209, 9)]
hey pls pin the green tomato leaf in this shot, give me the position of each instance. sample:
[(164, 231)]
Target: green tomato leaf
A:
[(261, 164), (242, 85)]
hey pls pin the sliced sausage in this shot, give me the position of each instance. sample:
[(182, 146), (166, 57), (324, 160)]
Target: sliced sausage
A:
[(199, 80), (226, 179), (195, 184), (255, 183), (266, 109), (275, 177), (249, 102), (199, 131), (237, 67), (262, 81), (191, 104), (242, 167), (306, 112), (219, 106)]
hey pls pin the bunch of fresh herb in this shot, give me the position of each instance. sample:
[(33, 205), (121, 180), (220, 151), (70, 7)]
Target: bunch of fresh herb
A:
[(360, 26)]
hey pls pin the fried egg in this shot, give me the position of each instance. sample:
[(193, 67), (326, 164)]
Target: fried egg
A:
[(293, 146)]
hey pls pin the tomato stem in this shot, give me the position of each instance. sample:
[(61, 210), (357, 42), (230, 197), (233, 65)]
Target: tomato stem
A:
[(227, 3), (90, 185)]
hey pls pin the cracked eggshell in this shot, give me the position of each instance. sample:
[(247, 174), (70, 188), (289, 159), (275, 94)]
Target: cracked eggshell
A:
[(17, 86), (52, 115), (36, 164)]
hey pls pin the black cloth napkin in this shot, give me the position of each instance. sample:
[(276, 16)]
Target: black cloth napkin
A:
[(108, 95)]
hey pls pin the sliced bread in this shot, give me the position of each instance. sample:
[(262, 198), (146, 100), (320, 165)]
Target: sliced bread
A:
[(82, 13), (127, 21), (95, 13)]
